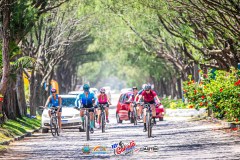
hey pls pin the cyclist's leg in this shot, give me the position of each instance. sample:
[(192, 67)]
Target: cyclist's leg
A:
[(99, 116), (82, 115), (59, 114), (140, 109), (144, 119), (153, 110), (91, 111), (49, 113), (106, 110)]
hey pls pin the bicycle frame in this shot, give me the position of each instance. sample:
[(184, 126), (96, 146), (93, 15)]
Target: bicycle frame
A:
[(54, 121), (86, 124), (103, 123), (149, 119)]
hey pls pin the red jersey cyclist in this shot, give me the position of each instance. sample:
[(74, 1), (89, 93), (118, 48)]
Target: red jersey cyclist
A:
[(149, 96), (132, 99), (103, 99)]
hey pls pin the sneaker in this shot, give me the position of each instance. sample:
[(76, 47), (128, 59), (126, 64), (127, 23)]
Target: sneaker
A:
[(144, 129), (91, 130), (107, 121), (99, 126)]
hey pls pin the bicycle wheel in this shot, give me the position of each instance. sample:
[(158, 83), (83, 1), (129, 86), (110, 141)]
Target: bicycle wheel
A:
[(103, 121), (57, 127), (135, 115), (149, 125), (53, 126), (87, 128)]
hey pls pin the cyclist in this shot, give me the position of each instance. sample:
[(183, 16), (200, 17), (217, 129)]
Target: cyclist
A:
[(86, 100), (140, 108), (55, 101), (132, 98), (149, 96), (103, 98)]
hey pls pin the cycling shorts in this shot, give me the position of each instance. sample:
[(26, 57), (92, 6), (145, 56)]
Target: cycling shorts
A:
[(56, 108), (88, 106)]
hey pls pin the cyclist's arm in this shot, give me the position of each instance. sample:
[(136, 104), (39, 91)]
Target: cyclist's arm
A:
[(47, 102), (95, 99), (60, 103), (108, 99), (157, 99), (140, 96), (77, 101)]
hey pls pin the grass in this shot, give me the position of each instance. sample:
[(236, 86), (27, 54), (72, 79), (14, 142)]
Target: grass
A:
[(18, 127)]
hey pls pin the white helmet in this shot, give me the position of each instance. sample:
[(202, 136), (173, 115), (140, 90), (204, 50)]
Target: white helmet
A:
[(143, 86)]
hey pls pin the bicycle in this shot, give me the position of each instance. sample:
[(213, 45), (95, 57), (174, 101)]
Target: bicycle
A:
[(54, 122), (86, 123), (149, 119), (103, 117)]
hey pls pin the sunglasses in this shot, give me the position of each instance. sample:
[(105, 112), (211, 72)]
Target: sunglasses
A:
[(102, 92)]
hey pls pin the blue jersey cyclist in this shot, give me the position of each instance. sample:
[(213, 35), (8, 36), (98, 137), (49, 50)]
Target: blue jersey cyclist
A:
[(86, 100), (55, 101)]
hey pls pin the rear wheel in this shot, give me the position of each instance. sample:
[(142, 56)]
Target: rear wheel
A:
[(118, 118)]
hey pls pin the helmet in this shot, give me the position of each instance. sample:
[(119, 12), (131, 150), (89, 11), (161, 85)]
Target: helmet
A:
[(134, 87), (102, 90), (147, 87), (53, 90), (143, 86), (86, 87)]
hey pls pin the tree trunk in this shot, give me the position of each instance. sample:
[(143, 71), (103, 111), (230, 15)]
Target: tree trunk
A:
[(10, 102), (6, 16), (21, 94)]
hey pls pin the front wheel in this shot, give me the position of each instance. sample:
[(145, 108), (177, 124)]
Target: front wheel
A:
[(135, 116), (87, 128), (149, 125), (103, 122), (53, 124)]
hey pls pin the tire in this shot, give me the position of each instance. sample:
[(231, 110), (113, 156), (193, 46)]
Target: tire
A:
[(149, 125), (135, 116), (81, 129), (103, 122), (118, 118), (57, 127), (131, 117), (53, 126), (161, 119), (45, 130), (87, 128)]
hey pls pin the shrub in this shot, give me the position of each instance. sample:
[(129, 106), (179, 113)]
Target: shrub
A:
[(221, 93)]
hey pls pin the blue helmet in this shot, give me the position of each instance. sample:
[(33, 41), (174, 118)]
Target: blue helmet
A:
[(86, 87)]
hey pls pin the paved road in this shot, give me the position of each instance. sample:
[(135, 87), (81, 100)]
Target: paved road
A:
[(176, 138)]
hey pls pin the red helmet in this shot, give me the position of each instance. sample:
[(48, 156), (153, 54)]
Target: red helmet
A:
[(102, 90), (53, 90)]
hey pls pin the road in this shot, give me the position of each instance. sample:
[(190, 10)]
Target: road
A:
[(175, 138)]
